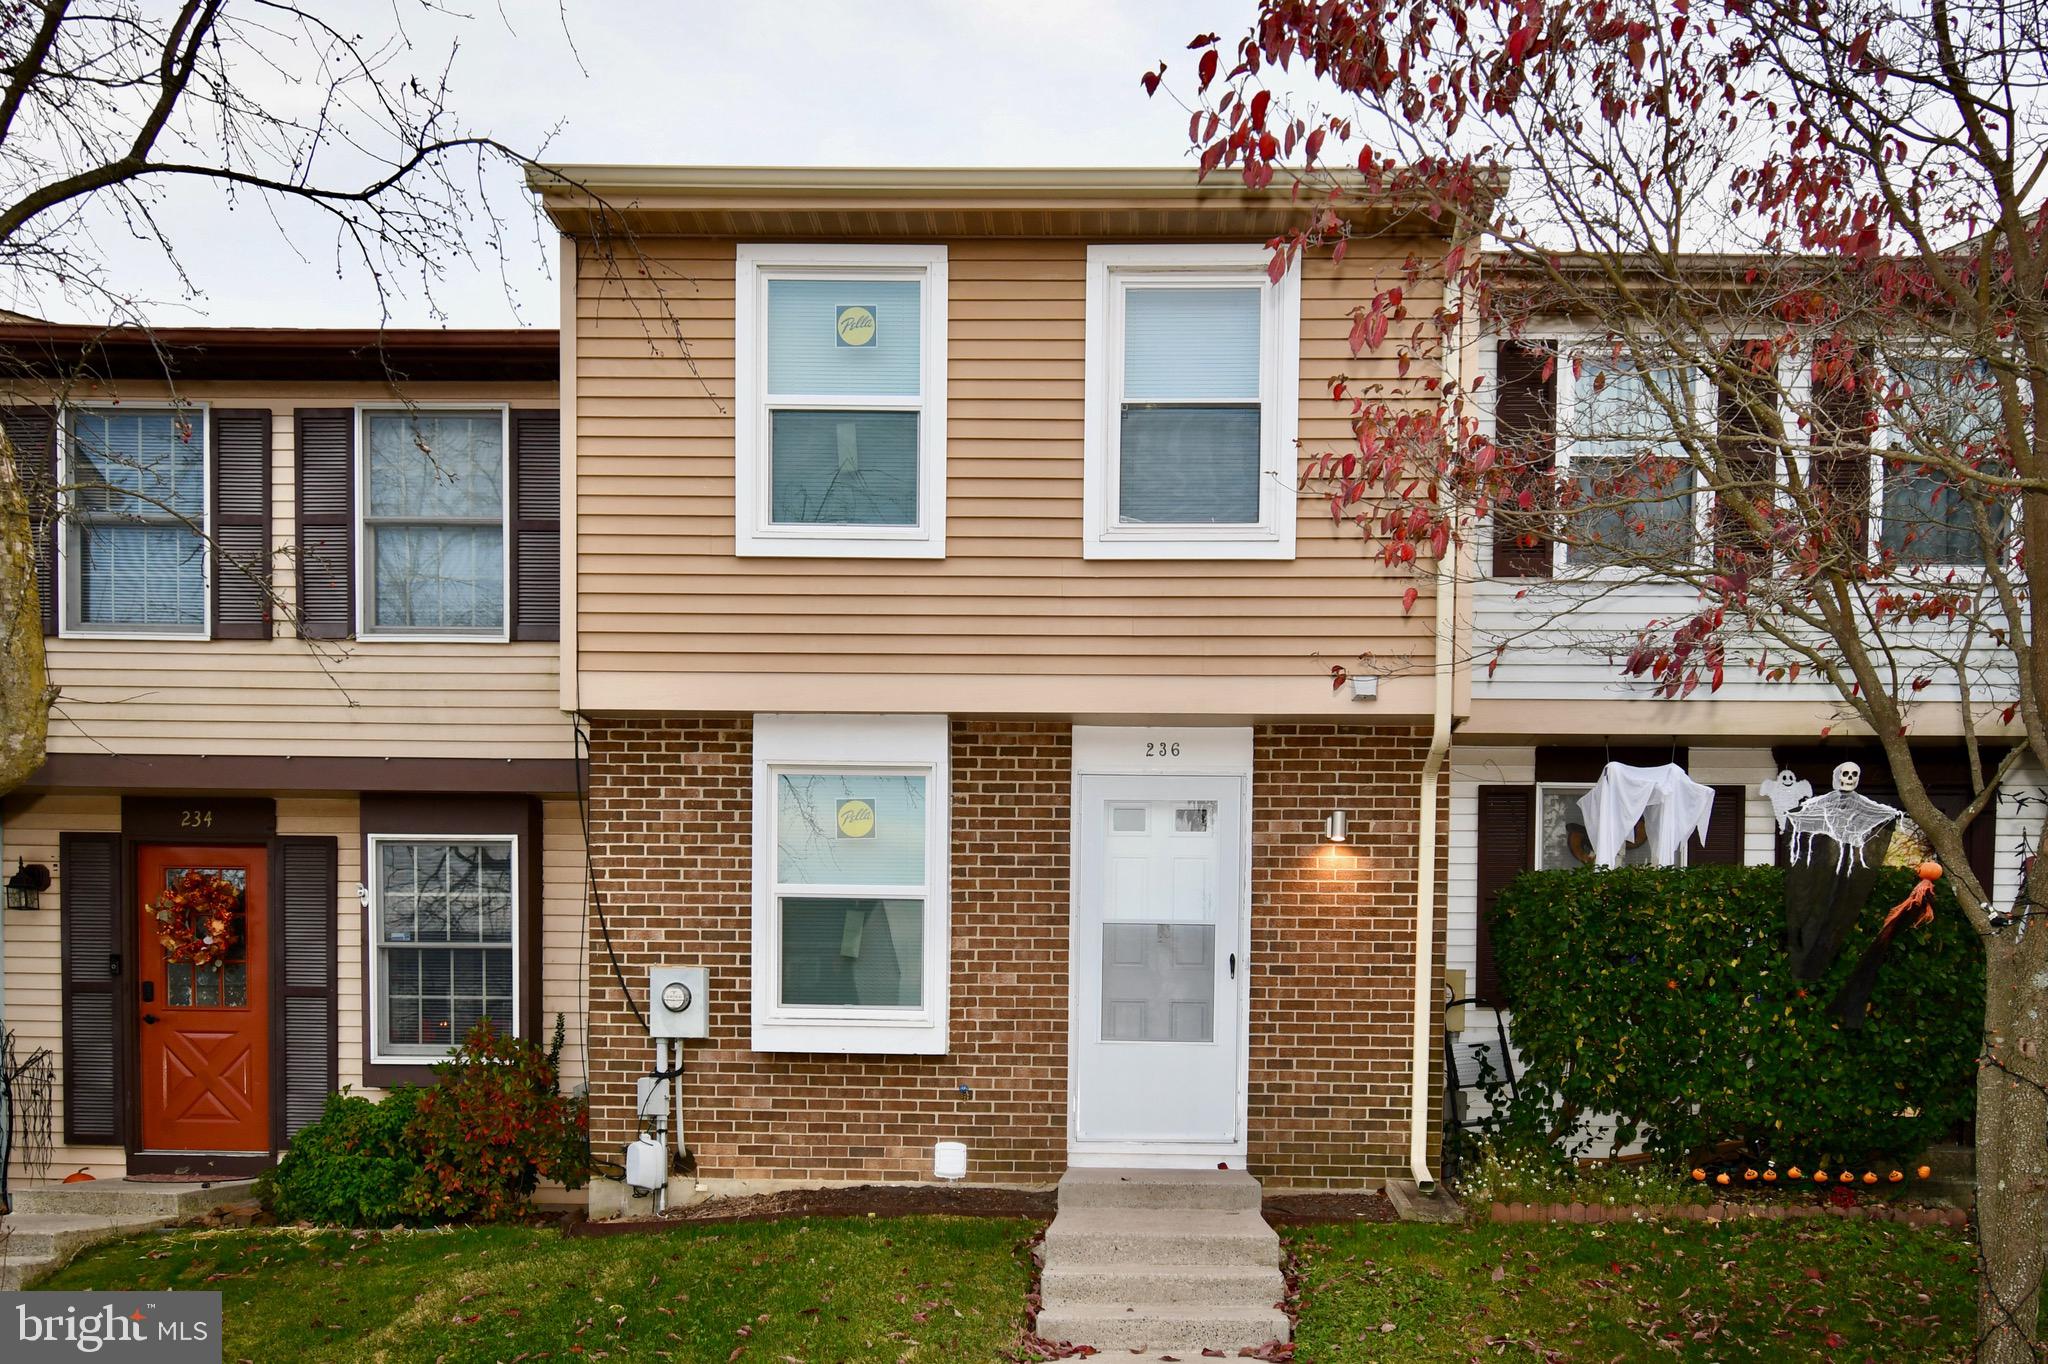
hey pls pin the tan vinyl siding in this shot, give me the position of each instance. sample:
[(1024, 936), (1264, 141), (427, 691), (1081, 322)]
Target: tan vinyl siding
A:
[(344, 698), (34, 945), (665, 612)]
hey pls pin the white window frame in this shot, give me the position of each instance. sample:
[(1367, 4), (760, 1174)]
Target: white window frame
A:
[(1698, 389), (755, 533), (68, 626), (884, 745), (1111, 269), (1580, 788), (373, 941), (366, 566), (1884, 441)]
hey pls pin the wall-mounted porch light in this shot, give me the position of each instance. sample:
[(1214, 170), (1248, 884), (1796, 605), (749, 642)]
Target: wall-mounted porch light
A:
[(1337, 828), (25, 888)]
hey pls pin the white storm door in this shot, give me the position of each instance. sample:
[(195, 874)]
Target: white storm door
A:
[(1159, 913)]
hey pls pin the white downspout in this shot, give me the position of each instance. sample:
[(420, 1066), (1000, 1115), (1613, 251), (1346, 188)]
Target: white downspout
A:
[(1421, 1098)]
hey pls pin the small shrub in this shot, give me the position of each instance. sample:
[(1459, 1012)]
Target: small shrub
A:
[(1665, 997), (494, 1127), (351, 1168)]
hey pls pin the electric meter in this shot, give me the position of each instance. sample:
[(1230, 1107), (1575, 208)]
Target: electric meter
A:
[(677, 1000)]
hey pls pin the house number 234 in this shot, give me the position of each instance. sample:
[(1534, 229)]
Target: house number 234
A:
[(1162, 750), (195, 819)]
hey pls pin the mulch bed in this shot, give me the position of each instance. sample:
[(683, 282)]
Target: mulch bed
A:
[(952, 1200), (1302, 1210), (1725, 1212), (860, 1200)]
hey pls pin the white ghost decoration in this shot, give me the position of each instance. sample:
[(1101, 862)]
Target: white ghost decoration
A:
[(1786, 793)]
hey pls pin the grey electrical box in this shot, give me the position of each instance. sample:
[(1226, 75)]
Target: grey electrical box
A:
[(678, 1002)]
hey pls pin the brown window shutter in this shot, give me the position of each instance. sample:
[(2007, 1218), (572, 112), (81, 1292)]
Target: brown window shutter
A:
[(308, 1065), (241, 522), (536, 537), (1843, 419), (1525, 421), (1746, 391), (32, 431), (325, 448), (1507, 848), (89, 902), (1725, 829)]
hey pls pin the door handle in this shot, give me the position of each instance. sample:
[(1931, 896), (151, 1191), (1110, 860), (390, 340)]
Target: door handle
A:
[(149, 1018), (1233, 966)]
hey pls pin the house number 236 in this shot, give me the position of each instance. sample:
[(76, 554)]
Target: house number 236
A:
[(195, 819), (1162, 750)]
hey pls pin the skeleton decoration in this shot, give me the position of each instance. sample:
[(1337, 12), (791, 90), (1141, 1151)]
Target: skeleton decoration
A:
[(1844, 815), (1786, 793)]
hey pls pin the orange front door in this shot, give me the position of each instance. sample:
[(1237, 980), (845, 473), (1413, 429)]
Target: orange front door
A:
[(205, 1030)]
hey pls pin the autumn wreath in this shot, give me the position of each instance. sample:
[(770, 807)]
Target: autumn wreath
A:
[(198, 918)]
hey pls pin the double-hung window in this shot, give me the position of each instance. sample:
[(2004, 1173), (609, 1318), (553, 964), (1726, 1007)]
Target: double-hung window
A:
[(444, 927), (840, 427), (1631, 486), (1193, 363), (1943, 414), (433, 497), (136, 522), (850, 865)]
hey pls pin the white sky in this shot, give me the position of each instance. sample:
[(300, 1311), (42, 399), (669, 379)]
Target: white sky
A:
[(761, 82)]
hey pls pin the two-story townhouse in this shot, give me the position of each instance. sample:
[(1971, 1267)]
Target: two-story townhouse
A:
[(1553, 623), (955, 644), (301, 618)]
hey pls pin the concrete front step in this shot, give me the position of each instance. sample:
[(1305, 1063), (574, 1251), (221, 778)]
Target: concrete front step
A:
[(1188, 1327), (1169, 1285), (1120, 1237), (50, 1225), (117, 1198), (1197, 1190)]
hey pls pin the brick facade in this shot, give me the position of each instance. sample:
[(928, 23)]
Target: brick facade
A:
[(670, 824)]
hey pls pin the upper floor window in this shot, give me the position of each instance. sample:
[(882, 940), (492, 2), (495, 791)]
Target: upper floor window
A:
[(1192, 385), (1627, 462), (841, 382), (134, 550), (1943, 414), (433, 505)]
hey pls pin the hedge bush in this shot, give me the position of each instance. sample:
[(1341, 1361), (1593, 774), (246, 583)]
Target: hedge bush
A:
[(1665, 996), (493, 1128), (351, 1168)]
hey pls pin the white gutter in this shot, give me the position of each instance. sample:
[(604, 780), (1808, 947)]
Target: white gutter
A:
[(1421, 1096)]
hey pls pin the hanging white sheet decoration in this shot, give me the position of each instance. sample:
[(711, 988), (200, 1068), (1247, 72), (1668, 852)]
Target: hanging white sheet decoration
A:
[(1786, 793), (1844, 814), (1671, 806)]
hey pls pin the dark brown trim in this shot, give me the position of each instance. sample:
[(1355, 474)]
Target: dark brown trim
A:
[(60, 352), (408, 815), (286, 988), (234, 773), (114, 984), (1560, 763), (199, 818)]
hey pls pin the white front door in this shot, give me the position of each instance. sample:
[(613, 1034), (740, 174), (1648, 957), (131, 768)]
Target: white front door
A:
[(1159, 914)]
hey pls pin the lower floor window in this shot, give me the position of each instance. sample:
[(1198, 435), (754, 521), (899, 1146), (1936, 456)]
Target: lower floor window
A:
[(850, 864), (445, 914)]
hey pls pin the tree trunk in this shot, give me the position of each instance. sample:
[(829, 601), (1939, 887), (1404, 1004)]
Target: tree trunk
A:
[(25, 693), (2012, 1144)]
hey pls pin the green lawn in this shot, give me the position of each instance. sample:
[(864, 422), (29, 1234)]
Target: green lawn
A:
[(1825, 1289), (939, 1290), (931, 1290)]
